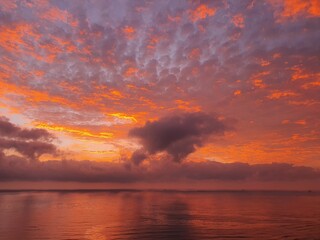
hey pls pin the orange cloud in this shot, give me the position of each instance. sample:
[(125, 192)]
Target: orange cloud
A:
[(17, 39), (304, 103), (116, 94), (56, 14), (201, 12), (65, 45), (187, 106), (174, 19), (32, 96), (13, 37), (82, 133), (38, 73), (131, 86), (299, 73), (301, 122), (131, 71), (8, 5), (148, 102), (238, 20), (276, 55), (70, 87), (278, 94), (195, 53), (99, 152), (286, 121), (153, 42), (257, 79), (311, 84), (123, 116), (303, 138), (113, 94), (258, 83), (294, 8), (237, 93), (261, 74), (129, 32), (264, 63)]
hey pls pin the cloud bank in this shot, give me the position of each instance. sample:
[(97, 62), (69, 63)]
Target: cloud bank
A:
[(15, 168)]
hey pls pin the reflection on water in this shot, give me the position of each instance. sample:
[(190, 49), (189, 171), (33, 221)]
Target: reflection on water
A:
[(158, 215)]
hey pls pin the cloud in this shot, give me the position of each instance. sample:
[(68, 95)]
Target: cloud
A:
[(178, 135), (31, 143), (16, 168), (138, 156), (243, 171), (202, 12), (9, 130), (129, 32), (30, 149), (296, 8), (64, 74)]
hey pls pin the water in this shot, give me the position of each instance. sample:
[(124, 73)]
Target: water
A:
[(104, 215)]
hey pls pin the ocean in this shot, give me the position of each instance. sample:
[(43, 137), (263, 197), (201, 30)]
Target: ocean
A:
[(122, 214)]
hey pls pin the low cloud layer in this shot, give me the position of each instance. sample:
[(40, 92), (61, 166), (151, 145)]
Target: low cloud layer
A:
[(177, 135), (15, 168), (30, 143)]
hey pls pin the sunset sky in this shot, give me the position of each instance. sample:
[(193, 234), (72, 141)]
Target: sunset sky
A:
[(160, 93)]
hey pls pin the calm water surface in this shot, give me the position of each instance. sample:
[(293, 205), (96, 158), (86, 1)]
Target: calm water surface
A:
[(159, 215)]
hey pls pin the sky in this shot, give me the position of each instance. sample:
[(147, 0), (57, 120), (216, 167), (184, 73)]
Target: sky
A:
[(170, 94)]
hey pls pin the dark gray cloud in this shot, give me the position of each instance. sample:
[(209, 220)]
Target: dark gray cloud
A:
[(30, 149), (15, 168), (9, 130), (242, 171), (138, 156), (178, 135), (31, 143)]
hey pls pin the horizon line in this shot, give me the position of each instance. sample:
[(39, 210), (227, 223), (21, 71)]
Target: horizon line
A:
[(158, 190)]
